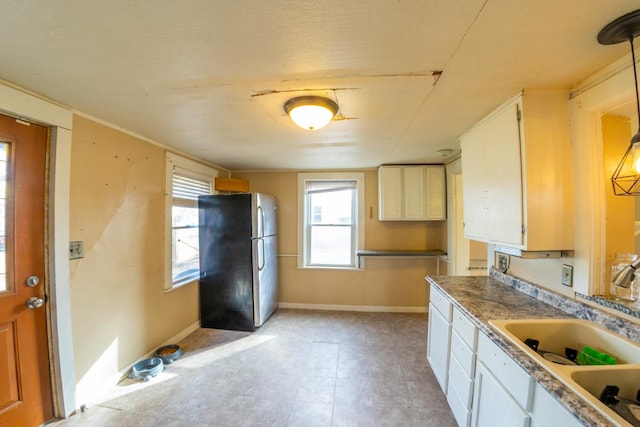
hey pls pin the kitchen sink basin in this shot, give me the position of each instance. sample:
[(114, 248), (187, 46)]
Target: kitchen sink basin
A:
[(588, 381)]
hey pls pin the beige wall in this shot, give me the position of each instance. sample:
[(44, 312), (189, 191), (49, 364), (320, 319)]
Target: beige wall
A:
[(392, 283), (119, 309), (620, 219)]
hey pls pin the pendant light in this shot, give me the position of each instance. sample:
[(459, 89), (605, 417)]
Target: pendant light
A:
[(311, 112), (626, 178)]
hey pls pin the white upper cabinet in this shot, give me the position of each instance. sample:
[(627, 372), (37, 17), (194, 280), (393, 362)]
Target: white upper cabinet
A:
[(411, 193), (517, 173)]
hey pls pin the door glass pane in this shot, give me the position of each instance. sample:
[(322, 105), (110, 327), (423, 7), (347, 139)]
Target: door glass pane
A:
[(4, 148)]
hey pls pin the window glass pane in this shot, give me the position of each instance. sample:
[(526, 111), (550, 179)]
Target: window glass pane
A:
[(330, 246), (186, 263), (183, 216), (332, 207), (3, 197), (185, 244)]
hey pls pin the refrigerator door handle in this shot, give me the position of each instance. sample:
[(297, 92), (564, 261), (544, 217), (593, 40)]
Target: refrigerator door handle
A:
[(261, 260), (260, 222)]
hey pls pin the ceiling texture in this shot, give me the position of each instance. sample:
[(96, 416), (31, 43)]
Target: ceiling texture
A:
[(210, 78)]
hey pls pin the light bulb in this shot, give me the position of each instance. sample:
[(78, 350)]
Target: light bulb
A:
[(635, 158), (311, 117), (311, 112)]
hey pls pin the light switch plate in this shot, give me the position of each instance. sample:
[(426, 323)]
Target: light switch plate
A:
[(567, 275)]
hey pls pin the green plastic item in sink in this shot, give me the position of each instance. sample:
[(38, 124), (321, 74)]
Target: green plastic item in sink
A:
[(591, 356)]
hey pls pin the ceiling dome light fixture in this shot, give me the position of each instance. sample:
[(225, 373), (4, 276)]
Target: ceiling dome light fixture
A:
[(626, 178), (311, 112)]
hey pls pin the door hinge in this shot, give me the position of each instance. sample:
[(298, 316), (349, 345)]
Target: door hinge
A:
[(518, 113), (523, 229)]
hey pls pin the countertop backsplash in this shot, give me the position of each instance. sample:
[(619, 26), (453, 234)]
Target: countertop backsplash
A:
[(576, 308)]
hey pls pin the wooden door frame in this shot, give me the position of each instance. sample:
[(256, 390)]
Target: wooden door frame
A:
[(14, 102)]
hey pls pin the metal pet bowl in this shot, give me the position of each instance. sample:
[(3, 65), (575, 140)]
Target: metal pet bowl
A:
[(169, 353), (146, 369)]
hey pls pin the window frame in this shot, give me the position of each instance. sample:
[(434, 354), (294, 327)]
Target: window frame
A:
[(304, 215), (187, 167)]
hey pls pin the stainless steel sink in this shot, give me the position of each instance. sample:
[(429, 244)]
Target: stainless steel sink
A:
[(588, 381)]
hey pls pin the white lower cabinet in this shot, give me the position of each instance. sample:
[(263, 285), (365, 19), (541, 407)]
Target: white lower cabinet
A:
[(503, 390), (547, 411), (439, 336), (462, 360), (493, 405), (484, 386)]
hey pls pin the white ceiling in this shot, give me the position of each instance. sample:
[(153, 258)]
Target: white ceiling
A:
[(210, 78)]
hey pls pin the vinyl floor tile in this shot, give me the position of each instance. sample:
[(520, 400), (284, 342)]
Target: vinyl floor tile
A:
[(301, 368)]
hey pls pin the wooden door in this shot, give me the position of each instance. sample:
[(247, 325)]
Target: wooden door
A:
[(25, 380)]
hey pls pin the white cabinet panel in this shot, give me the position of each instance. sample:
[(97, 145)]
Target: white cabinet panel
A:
[(442, 303), (513, 377), (518, 177), (493, 406), (411, 193), (467, 330), (465, 355), (436, 190), (459, 406), (390, 192), (547, 411), (492, 186), (438, 340), (414, 193)]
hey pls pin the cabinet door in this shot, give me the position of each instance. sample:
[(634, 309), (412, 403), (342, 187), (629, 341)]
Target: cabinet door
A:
[(436, 200), (414, 193), (492, 179), (390, 193), (548, 411), (438, 343), (493, 406)]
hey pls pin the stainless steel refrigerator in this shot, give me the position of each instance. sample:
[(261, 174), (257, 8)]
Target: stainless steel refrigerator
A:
[(238, 265)]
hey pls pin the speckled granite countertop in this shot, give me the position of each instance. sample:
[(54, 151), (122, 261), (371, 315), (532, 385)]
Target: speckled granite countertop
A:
[(484, 298)]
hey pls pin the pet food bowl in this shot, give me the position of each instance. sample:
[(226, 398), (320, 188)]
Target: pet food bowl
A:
[(146, 369), (169, 353)]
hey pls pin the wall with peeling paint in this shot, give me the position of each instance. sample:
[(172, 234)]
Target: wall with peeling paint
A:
[(390, 283), (119, 309)]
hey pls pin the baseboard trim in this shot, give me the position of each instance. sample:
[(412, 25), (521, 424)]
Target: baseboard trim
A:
[(367, 308)]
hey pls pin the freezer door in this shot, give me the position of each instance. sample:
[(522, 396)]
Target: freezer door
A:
[(264, 215), (265, 279)]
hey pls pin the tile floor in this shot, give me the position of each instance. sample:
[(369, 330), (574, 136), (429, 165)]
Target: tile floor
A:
[(301, 368)]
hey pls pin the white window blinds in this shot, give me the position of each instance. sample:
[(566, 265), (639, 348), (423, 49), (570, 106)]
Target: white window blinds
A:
[(187, 186)]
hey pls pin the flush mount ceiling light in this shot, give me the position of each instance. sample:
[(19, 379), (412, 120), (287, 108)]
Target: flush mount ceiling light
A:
[(311, 112), (626, 178)]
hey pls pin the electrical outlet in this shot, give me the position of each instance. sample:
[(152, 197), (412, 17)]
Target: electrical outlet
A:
[(567, 275), (503, 262), (76, 250)]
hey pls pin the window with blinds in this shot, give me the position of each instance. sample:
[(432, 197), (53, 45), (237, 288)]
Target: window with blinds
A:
[(186, 187)]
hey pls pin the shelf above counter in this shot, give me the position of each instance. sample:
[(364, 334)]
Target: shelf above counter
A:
[(402, 253)]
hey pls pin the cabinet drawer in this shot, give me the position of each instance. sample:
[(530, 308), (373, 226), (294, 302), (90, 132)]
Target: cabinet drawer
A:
[(459, 380), (463, 326), (458, 407), (441, 303), (465, 356), (505, 369)]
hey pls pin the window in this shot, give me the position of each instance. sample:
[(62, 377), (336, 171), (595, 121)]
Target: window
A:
[(186, 180), (331, 226)]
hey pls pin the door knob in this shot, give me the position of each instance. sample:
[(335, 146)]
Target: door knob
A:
[(35, 302)]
